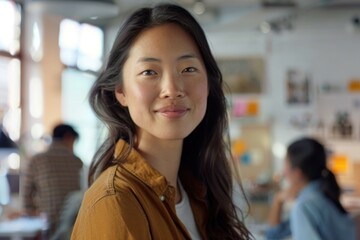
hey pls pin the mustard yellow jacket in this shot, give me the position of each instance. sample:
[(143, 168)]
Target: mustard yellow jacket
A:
[(132, 200)]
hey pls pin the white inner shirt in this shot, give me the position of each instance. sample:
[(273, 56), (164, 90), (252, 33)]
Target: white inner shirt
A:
[(185, 214)]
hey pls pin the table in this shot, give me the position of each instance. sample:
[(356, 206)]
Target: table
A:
[(24, 227)]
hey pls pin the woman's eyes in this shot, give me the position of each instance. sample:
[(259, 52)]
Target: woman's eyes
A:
[(148, 73), (190, 69)]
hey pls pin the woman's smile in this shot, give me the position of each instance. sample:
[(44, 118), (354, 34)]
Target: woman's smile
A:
[(172, 111)]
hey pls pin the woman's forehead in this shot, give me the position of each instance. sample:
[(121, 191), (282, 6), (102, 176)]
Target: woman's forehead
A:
[(164, 40)]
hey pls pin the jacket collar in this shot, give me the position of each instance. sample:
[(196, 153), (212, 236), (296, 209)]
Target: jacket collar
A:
[(138, 166), (312, 187)]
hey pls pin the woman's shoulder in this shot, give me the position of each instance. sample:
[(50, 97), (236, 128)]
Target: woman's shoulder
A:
[(316, 206), (312, 201), (107, 187), (309, 206), (110, 210)]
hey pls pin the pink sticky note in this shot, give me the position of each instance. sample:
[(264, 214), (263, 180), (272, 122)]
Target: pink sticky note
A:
[(240, 108)]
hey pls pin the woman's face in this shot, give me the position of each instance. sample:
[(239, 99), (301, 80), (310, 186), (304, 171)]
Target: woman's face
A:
[(291, 174), (165, 85)]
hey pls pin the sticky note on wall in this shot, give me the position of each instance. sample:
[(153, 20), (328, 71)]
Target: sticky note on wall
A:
[(339, 163), (354, 85), (252, 108), (238, 147), (243, 108), (239, 108)]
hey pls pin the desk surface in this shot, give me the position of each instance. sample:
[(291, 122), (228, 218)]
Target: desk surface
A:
[(24, 227)]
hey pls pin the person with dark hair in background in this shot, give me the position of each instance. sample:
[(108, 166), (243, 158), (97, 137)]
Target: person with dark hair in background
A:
[(163, 172), (317, 213), (51, 176)]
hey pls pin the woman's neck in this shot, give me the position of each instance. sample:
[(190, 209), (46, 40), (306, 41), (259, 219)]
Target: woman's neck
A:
[(300, 186), (164, 156)]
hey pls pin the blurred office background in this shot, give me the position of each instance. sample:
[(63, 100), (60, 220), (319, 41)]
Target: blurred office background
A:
[(292, 67)]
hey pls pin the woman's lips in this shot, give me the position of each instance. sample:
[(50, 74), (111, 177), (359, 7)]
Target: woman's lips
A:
[(172, 111)]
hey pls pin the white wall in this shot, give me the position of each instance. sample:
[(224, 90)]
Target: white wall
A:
[(320, 45)]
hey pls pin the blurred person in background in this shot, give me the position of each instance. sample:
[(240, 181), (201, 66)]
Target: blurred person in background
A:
[(51, 176), (7, 147), (316, 213)]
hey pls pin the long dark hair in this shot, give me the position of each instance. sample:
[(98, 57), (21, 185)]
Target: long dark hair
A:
[(205, 153), (309, 155)]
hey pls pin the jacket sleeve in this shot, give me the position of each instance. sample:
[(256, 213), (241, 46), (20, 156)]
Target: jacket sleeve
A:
[(117, 216)]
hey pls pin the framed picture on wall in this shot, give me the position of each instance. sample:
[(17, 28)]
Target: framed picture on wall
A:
[(297, 87), (243, 75)]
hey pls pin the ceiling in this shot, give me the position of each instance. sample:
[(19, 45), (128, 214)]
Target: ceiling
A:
[(230, 15), (219, 15)]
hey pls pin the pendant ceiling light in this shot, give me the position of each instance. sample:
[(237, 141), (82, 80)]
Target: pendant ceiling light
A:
[(74, 9)]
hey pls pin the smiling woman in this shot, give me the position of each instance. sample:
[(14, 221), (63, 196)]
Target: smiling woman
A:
[(164, 98), (168, 175)]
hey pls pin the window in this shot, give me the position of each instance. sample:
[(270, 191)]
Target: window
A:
[(10, 66), (76, 111), (10, 19), (10, 96), (81, 45), (81, 50)]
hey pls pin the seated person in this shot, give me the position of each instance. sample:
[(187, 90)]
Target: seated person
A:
[(317, 213)]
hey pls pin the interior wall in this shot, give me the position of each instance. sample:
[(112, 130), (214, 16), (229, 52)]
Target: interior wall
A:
[(320, 45), (327, 55)]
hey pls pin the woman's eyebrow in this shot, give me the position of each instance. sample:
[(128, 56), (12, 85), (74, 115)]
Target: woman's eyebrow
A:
[(153, 59), (148, 59), (187, 56)]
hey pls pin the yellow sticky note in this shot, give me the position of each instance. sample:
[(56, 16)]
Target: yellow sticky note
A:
[(252, 108), (238, 147), (354, 85), (339, 164)]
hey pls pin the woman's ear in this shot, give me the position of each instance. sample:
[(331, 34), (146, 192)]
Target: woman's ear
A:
[(120, 96)]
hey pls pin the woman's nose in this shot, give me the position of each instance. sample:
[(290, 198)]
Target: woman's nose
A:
[(172, 87)]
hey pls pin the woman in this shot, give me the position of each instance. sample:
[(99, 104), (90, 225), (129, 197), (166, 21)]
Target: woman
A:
[(317, 212), (163, 171)]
